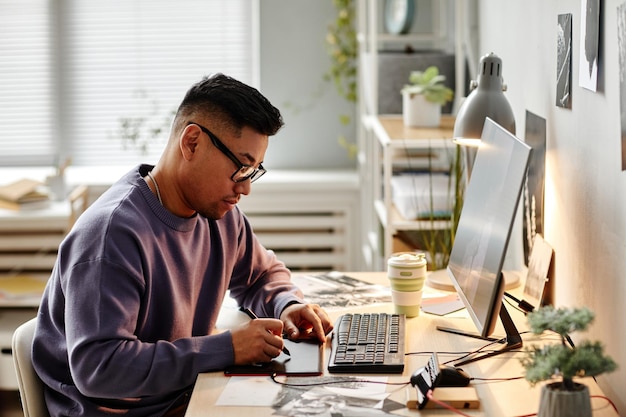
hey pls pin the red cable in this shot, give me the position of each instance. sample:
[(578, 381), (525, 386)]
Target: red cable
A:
[(609, 401), (592, 396), (429, 394)]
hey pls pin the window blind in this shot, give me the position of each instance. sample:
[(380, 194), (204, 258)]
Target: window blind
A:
[(26, 118), (128, 63)]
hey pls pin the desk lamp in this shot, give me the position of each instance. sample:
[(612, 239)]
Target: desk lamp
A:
[(485, 100)]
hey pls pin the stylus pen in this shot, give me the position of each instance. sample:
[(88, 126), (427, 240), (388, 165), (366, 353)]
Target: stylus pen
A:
[(253, 316)]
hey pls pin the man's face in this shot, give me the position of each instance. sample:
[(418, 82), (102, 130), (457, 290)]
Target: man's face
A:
[(207, 182)]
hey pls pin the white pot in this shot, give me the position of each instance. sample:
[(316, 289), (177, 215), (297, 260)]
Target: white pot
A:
[(418, 112)]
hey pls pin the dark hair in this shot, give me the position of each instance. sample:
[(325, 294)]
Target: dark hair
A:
[(236, 103)]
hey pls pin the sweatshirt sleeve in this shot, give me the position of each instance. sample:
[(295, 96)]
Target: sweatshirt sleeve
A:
[(260, 280), (112, 356)]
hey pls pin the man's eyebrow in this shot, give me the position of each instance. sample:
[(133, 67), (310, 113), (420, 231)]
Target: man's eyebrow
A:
[(251, 159)]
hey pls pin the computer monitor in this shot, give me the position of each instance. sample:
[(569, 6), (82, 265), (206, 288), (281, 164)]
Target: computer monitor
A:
[(487, 217)]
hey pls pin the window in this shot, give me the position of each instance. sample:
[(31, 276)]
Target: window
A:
[(87, 66), (26, 119)]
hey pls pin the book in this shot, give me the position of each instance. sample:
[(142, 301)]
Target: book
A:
[(20, 192)]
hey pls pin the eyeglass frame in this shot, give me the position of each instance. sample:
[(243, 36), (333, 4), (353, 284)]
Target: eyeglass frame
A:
[(252, 176)]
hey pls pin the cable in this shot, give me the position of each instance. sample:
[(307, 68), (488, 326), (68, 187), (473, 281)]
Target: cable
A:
[(524, 305), (338, 381), (592, 396), (609, 401), (488, 380)]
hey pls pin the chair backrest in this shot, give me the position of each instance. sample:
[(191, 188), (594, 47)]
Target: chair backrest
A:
[(28, 382), (79, 201)]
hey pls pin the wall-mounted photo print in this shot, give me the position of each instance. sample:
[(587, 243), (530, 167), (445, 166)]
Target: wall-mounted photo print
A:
[(621, 51), (564, 61), (535, 136), (589, 39)]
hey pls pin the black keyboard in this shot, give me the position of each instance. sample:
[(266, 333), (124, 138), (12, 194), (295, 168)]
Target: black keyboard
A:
[(368, 343)]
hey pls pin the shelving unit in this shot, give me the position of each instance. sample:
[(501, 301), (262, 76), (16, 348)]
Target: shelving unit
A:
[(29, 239), (430, 148), (384, 142)]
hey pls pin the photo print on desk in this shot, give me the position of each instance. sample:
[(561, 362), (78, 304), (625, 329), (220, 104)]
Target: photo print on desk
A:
[(538, 270), (330, 290), (351, 398)]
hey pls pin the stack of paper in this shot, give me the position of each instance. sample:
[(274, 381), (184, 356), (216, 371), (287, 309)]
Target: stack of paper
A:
[(16, 194)]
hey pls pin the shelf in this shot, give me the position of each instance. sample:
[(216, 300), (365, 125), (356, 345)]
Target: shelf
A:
[(386, 146), (392, 132), (397, 222)]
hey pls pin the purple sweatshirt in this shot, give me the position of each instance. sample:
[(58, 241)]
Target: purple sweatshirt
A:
[(126, 319)]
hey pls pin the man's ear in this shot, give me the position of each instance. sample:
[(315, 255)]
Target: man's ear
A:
[(189, 140)]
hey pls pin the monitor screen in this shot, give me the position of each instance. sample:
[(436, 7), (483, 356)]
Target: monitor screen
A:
[(485, 225)]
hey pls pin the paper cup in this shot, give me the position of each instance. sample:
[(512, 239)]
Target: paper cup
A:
[(407, 273)]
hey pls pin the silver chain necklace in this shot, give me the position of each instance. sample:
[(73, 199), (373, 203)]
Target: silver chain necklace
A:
[(156, 187)]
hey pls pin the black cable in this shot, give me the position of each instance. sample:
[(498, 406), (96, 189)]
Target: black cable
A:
[(334, 382), (522, 304)]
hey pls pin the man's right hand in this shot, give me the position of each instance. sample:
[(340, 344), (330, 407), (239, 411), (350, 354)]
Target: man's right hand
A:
[(257, 341)]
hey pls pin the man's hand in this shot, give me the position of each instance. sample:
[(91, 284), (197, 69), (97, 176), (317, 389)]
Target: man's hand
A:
[(306, 321), (258, 341)]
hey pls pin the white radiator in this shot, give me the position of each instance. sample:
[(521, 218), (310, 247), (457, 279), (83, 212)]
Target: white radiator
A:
[(309, 219), (29, 238)]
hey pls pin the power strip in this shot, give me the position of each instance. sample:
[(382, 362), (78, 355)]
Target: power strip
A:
[(426, 379)]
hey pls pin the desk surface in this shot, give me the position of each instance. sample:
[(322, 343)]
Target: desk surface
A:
[(46, 215), (510, 398)]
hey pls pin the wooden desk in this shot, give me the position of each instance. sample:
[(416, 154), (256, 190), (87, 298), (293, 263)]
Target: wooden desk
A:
[(511, 398)]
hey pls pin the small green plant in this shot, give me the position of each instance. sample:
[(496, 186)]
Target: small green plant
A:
[(343, 49), (438, 243), (429, 83), (148, 124), (563, 360)]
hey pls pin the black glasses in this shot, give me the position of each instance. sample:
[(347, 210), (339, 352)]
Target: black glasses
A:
[(244, 171)]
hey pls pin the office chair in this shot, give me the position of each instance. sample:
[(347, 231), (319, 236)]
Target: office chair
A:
[(29, 384)]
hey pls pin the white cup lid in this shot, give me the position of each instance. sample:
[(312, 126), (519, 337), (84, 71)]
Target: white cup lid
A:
[(414, 259)]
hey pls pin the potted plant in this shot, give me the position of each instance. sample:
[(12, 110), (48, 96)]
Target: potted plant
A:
[(564, 397), (423, 97)]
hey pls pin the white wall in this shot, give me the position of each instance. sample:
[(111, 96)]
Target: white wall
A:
[(293, 63), (585, 211)]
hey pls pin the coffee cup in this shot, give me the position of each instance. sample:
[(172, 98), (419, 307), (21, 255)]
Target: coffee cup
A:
[(407, 273)]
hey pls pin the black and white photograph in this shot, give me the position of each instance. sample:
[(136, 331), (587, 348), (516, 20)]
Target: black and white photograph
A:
[(330, 290), (589, 40), (564, 61), (535, 136), (351, 398), (621, 50)]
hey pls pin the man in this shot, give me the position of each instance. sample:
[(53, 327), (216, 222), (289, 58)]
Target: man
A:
[(126, 321)]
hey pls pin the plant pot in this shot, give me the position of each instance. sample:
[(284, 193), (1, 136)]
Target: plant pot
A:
[(419, 112), (555, 401)]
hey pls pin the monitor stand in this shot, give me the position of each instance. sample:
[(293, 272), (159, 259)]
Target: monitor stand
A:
[(513, 338)]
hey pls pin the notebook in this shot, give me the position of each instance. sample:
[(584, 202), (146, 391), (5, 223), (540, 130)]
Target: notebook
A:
[(307, 359)]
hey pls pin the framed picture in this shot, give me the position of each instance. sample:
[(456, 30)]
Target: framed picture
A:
[(538, 268)]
